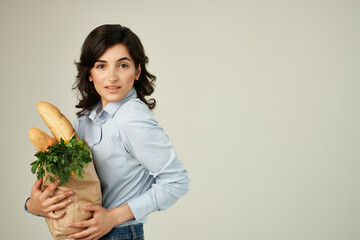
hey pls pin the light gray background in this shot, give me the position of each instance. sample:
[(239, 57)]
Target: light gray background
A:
[(260, 98)]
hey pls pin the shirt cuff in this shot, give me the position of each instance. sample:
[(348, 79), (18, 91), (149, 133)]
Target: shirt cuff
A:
[(26, 209), (142, 205)]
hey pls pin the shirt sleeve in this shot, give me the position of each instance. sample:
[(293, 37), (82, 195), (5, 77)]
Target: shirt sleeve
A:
[(146, 140)]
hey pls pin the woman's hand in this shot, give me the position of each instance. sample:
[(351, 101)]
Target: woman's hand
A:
[(102, 222), (44, 204)]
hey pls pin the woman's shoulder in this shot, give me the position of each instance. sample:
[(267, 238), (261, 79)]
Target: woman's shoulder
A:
[(134, 107), (135, 104), (133, 110)]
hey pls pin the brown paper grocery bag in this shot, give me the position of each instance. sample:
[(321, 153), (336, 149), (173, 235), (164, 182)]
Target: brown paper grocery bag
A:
[(86, 192)]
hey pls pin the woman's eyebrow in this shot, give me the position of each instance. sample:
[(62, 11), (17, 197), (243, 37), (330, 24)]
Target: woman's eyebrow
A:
[(124, 58), (119, 60)]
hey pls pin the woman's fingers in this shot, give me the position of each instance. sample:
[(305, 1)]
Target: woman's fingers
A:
[(50, 189), (36, 188), (57, 198), (82, 234), (91, 208), (56, 215), (60, 205), (38, 183), (81, 224), (45, 204)]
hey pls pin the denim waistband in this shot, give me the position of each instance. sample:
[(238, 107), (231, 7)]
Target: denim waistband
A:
[(126, 232)]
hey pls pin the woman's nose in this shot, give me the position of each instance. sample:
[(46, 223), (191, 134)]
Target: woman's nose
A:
[(112, 74)]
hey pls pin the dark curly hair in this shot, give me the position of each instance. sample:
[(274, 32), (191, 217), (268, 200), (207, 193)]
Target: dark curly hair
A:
[(95, 44)]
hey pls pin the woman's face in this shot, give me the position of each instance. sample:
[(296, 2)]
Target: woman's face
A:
[(114, 74)]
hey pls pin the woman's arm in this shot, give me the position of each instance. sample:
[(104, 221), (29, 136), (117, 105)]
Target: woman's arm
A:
[(146, 140)]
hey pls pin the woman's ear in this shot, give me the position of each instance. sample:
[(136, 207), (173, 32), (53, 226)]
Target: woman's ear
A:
[(138, 71), (90, 78)]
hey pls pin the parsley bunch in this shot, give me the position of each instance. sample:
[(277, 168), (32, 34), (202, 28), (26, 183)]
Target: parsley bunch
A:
[(62, 159)]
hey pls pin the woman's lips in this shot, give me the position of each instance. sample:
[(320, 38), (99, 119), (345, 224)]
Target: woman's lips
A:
[(112, 89)]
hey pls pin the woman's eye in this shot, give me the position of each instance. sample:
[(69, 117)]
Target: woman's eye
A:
[(123, 65), (100, 66)]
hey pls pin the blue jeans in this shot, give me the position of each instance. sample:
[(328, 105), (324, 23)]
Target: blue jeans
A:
[(132, 232)]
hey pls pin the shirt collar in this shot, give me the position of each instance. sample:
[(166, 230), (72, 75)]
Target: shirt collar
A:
[(98, 114)]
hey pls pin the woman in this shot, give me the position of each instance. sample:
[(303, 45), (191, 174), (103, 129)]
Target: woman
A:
[(137, 166)]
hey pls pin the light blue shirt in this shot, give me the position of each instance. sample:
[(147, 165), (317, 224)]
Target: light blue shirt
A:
[(134, 159)]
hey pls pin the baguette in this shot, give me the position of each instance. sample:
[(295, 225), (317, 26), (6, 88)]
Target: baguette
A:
[(58, 124), (39, 139)]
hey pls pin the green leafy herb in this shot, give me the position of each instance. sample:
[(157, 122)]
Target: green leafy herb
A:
[(62, 160)]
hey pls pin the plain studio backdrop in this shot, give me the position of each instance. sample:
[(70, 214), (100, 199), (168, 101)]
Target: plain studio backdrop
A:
[(261, 100)]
